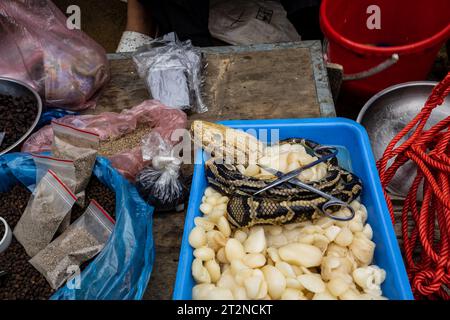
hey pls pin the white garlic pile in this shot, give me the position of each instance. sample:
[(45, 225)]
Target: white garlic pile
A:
[(321, 259), (285, 158)]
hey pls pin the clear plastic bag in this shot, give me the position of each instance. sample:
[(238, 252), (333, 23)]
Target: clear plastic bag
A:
[(172, 72), (49, 204), (77, 145), (83, 240), (65, 66), (161, 184), (110, 125)]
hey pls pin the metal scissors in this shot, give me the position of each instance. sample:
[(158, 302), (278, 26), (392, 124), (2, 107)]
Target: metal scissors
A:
[(331, 201), (294, 173)]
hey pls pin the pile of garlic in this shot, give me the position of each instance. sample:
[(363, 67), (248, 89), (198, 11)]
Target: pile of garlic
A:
[(285, 158), (319, 259)]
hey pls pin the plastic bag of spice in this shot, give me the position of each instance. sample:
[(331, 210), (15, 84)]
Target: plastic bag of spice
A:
[(122, 132), (65, 170), (161, 184), (63, 64), (49, 204), (81, 147), (83, 240)]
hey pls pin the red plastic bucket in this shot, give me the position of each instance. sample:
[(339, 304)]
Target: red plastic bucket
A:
[(403, 49)]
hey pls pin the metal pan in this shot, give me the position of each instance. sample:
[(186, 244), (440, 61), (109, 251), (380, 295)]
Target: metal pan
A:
[(18, 88), (388, 112)]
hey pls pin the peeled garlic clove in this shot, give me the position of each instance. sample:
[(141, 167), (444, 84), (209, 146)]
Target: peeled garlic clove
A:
[(204, 223), (292, 294), (350, 294), (355, 226), (338, 286), (324, 296), (224, 226), (276, 282), (253, 286), (312, 282), (367, 231), (219, 238), (237, 266), (240, 235), (241, 275), (240, 293), (255, 260), (200, 291), (213, 269), (344, 238), (306, 238), (285, 269), (199, 272), (212, 200), (321, 242), (241, 168), (256, 242), (324, 222), (274, 230), (332, 232), (204, 253), (197, 237), (234, 250), (273, 254), (222, 200), (226, 281), (301, 254), (362, 249), (220, 294), (206, 208), (293, 283), (277, 240), (293, 166)]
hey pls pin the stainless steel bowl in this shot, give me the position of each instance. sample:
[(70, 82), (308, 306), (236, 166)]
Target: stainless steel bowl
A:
[(388, 112), (19, 89)]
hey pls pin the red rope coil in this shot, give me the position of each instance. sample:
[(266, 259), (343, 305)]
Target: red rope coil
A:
[(429, 273)]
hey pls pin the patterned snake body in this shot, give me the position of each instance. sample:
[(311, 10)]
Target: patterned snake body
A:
[(285, 203)]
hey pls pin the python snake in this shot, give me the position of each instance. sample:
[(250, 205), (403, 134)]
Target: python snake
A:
[(285, 203)]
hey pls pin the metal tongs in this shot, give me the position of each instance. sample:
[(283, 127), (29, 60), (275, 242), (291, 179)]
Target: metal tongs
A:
[(291, 177)]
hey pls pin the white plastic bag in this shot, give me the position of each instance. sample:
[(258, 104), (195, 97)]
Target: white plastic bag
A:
[(250, 22)]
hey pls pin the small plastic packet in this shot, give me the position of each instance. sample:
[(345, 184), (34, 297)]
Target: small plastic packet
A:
[(172, 71), (65, 170), (49, 204), (77, 145), (82, 241), (161, 184)]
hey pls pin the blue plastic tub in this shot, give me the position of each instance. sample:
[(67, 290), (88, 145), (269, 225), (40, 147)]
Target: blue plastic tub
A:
[(331, 131)]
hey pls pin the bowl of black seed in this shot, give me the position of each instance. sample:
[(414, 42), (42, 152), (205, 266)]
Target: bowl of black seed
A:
[(20, 110)]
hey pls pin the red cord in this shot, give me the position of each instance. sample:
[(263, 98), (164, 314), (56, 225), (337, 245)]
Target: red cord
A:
[(429, 273)]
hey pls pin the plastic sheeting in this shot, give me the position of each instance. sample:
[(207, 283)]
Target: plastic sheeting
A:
[(122, 270), (110, 125), (65, 66)]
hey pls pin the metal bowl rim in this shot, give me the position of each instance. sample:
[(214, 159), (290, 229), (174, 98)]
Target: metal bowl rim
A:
[(371, 101), (38, 115)]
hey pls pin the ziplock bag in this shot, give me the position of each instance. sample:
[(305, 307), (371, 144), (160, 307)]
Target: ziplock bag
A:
[(49, 204), (83, 240), (121, 271), (161, 184), (110, 125), (172, 72), (77, 145), (65, 66), (65, 170)]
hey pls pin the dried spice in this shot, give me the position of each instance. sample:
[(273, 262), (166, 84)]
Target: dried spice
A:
[(23, 281), (83, 240), (123, 143), (46, 209), (77, 145), (17, 114)]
